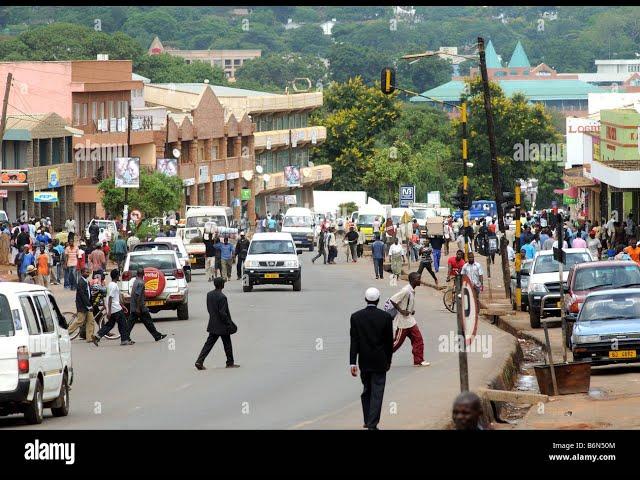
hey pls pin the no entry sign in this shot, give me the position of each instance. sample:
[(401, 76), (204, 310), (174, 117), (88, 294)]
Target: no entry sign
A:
[(469, 310)]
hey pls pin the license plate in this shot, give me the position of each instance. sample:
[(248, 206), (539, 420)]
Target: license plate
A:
[(192, 260), (154, 303), (271, 275), (623, 354)]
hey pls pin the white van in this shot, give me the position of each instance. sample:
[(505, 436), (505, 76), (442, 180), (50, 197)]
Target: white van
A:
[(300, 223), (197, 216), (35, 353), (272, 259)]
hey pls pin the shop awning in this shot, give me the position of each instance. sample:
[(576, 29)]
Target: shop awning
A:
[(571, 192), (578, 181), (17, 134)]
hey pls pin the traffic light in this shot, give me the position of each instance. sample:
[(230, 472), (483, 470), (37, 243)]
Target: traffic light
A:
[(388, 81), (509, 201), (559, 255), (460, 200)]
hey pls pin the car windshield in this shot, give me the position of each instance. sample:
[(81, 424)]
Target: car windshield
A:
[(420, 214), (367, 219), (297, 221), (159, 261), (617, 306), (261, 247), (547, 264), (192, 233), (613, 276), (155, 246), (199, 221), (7, 328)]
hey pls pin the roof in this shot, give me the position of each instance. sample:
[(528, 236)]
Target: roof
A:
[(605, 263), (519, 57), (145, 80), (12, 288), (491, 57), (532, 89), (272, 236), (219, 90), (566, 250), (24, 128)]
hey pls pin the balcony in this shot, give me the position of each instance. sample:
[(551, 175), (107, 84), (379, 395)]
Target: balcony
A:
[(311, 177), (273, 103), (280, 138)]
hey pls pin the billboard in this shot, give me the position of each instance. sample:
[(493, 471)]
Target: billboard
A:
[(292, 175), (407, 195), (128, 172), (167, 166), (53, 177), (13, 177), (45, 197)]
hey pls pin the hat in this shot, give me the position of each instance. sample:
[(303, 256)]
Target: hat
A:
[(372, 294), (31, 269)]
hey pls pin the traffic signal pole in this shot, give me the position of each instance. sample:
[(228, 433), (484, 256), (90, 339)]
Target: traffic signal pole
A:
[(465, 178)]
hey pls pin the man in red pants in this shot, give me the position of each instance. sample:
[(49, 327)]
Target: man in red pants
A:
[(405, 322)]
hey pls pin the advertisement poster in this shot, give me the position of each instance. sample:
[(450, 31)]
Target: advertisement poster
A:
[(290, 199), (292, 175), (246, 194), (45, 197), (53, 177), (167, 166), (14, 177), (128, 172)]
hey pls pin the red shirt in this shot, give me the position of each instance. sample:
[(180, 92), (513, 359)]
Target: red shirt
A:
[(455, 265)]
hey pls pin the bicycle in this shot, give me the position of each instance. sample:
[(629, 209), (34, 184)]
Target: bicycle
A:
[(449, 299), (100, 318)]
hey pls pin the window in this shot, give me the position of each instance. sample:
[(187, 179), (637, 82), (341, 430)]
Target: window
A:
[(58, 317), (94, 111), (76, 114), (85, 108), (227, 63), (45, 313), (30, 315), (279, 123), (101, 111), (7, 328), (110, 108), (237, 62), (56, 150), (214, 152)]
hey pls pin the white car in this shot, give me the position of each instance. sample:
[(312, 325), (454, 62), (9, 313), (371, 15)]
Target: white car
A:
[(108, 230), (35, 353), (174, 296), (272, 259), (169, 243)]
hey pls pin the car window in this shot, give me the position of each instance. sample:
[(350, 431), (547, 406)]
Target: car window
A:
[(297, 221), (45, 313), (547, 264), (145, 248), (612, 307), (29, 313), (613, 276), (7, 327), (261, 247), (161, 262), (58, 317)]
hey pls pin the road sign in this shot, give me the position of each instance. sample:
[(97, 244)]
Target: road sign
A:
[(407, 195), (469, 310)]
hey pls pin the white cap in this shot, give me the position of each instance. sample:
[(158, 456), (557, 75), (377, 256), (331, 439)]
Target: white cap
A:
[(372, 294)]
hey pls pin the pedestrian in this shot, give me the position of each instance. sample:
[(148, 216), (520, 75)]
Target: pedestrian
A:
[(377, 252), (361, 242), (97, 260), (455, 264), (210, 257), (56, 254), (372, 348), (70, 225), (226, 257), (84, 307), (426, 260), (240, 252), (333, 245), (322, 249), (351, 239), (43, 264), (25, 260), (220, 325), (396, 257), (594, 245), (467, 412), (473, 270), (405, 323), (272, 224), (139, 310), (30, 276), (114, 313), (120, 251)]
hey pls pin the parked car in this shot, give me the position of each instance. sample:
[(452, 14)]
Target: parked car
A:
[(174, 295), (169, 243), (36, 368), (544, 282), (272, 259), (525, 268), (607, 329), (585, 278), (103, 225)]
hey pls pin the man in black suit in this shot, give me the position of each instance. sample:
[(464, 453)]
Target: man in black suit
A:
[(84, 306), (220, 325), (372, 347)]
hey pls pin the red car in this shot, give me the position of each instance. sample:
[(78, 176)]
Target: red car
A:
[(587, 277)]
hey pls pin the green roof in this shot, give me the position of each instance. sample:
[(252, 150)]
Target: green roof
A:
[(519, 57), (536, 90), (492, 59)]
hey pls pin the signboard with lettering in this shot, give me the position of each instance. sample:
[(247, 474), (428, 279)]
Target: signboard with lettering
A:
[(245, 194), (45, 197), (407, 195), (290, 199), (203, 174), (233, 175), (218, 178), (13, 177)]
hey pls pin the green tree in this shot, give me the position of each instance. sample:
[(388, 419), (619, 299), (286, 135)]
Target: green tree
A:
[(157, 194), (424, 75), (348, 61), (275, 71), (165, 68), (308, 39)]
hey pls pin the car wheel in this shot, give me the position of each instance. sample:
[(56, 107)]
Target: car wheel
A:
[(62, 410), (534, 318), (183, 311), (297, 285), (247, 288), (34, 412)]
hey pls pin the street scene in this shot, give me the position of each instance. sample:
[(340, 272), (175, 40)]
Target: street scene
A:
[(320, 218)]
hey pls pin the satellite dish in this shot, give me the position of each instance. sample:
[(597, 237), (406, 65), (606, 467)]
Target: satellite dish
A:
[(176, 153), (266, 177), (259, 169)]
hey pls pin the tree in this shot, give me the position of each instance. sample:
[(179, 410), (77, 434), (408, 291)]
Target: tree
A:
[(348, 61), (275, 71), (165, 68), (157, 194), (424, 75), (308, 39), (348, 207)]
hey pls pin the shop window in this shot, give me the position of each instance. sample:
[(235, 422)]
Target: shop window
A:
[(56, 151)]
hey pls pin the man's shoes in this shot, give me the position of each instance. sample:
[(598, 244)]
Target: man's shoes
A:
[(200, 366), (423, 364), (313, 260), (162, 335), (372, 428), (95, 340), (377, 277), (127, 342), (233, 365), (354, 261)]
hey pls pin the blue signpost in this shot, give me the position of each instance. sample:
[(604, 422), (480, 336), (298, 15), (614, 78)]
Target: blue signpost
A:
[(407, 195)]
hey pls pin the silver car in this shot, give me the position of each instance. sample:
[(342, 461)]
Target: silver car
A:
[(525, 268)]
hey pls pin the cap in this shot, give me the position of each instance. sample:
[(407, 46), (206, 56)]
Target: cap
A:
[(372, 294), (31, 268)]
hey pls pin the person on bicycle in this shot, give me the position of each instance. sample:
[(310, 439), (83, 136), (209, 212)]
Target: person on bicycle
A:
[(455, 264), (114, 313)]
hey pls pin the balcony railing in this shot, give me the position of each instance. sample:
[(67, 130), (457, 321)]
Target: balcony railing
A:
[(280, 138)]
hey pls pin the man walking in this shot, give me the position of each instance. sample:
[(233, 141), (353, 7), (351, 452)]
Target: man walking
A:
[(23, 261), (322, 250), (71, 255), (139, 309), (426, 260), (372, 348), (114, 313), (436, 243), (377, 252), (405, 322), (220, 325), (84, 307), (226, 257), (352, 239), (210, 257), (44, 264), (333, 246), (241, 251), (120, 251), (473, 270), (97, 260)]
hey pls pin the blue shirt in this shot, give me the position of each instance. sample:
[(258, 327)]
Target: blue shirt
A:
[(543, 238), (377, 249), (226, 250), (42, 238), (27, 260), (530, 250), (272, 223)]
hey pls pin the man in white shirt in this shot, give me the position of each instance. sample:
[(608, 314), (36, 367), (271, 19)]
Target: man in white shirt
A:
[(114, 313), (332, 246), (70, 225), (473, 270), (376, 225), (405, 322)]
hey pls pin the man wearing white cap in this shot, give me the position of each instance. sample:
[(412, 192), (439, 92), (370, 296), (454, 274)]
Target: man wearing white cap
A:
[(372, 347)]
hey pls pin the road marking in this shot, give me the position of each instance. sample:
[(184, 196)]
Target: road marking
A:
[(183, 387)]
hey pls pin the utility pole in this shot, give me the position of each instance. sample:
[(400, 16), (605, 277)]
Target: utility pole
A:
[(495, 170), (125, 219), (5, 102), (517, 249), (465, 178)]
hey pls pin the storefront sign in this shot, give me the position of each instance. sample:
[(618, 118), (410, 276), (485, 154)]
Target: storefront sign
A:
[(246, 194), (4, 193), (219, 178), (276, 198), (203, 174), (188, 182), (233, 176), (53, 177), (290, 199), (13, 177), (45, 197)]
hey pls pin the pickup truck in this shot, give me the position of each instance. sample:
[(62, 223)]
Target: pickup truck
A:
[(479, 209), (193, 239)]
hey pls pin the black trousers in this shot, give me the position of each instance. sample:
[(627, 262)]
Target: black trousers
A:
[(211, 341), (322, 252), (145, 318), (121, 320), (239, 263), (429, 268), (371, 397)]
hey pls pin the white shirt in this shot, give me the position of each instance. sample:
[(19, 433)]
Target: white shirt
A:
[(405, 299), (473, 271), (331, 240), (396, 250), (113, 292)]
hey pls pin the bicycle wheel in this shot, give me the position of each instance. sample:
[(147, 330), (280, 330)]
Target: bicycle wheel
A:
[(70, 318), (449, 299), (100, 321)]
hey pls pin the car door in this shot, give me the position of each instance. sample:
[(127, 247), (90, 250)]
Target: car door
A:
[(62, 331), (36, 341), (52, 363)]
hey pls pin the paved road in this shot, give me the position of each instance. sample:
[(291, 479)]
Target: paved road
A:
[(293, 351)]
